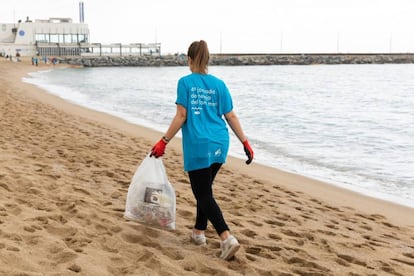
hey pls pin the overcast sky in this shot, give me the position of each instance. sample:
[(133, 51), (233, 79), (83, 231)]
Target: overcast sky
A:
[(237, 26)]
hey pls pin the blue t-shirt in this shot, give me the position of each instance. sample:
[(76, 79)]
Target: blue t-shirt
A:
[(205, 135)]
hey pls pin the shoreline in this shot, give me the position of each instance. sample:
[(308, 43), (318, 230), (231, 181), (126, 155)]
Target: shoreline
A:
[(266, 172), (231, 159), (89, 158)]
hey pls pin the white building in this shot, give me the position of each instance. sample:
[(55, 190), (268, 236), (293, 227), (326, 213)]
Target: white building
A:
[(62, 37), (51, 37)]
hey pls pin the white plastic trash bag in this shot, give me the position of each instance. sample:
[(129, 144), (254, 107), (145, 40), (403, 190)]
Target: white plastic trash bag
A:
[(151, 197)]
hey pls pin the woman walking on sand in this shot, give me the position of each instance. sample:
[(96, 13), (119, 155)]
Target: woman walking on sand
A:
[(202, 102)]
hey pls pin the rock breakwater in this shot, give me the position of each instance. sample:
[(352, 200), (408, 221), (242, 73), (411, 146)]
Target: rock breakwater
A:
[(239, 59)]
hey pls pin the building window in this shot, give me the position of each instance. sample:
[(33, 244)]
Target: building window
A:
[(43, 38), (67, 38), (83, 38), (62, 38), (54, 38)]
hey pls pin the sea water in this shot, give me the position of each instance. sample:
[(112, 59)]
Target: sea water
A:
[(350, 125)]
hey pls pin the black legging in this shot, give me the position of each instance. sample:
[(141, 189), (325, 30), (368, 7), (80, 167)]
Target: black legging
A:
[(207, 207)]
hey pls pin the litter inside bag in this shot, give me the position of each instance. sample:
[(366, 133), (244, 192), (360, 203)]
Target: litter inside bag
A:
[(151, 197)]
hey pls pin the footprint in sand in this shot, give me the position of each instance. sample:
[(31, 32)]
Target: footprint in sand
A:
[(291, 233), (325, 232), (143, 239), (306, 266), (109, 245), (75, 268), (13, 248), (173, 253), (184, 213), (409, 255), (3, 212), (249, 233), (77, 243), (374, 241), (274, 236), (274, 222), (237, 223), (31, 228), (350, 260), (13, 209), (407, 261), (4, 186), (63, 257), (256, 223), (332, 226)]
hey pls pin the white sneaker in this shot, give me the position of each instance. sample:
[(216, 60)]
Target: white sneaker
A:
[(229, 247), (198, 239)]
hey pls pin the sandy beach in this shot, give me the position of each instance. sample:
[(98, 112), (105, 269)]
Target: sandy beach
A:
[(64, 175)]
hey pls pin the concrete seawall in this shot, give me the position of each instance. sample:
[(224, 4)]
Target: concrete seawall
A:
[(240, 59)]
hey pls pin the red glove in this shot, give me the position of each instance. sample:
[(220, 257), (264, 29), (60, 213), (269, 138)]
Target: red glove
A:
[(249, 152), (158, 149)]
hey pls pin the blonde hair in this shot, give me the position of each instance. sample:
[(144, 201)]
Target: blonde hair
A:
[(199, 54)]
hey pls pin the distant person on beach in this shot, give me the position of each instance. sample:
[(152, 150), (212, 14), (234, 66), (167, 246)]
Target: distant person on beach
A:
[(54, 61), (203, 102)]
